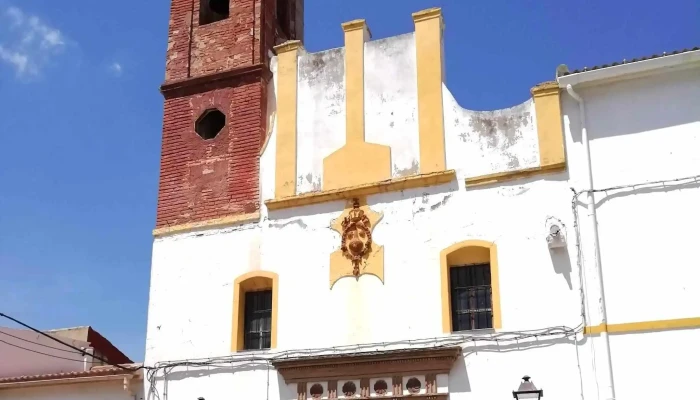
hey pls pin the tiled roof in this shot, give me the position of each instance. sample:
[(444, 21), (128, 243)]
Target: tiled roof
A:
[(664, 54), (97, 371)]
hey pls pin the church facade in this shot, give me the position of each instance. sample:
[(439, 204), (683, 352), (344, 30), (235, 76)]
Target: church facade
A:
[(335, 225)]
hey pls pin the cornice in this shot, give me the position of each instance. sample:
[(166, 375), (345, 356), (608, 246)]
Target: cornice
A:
[(365, 189), (545, 88), (424, 15), (188, 86), (289, 45), (398, 362)]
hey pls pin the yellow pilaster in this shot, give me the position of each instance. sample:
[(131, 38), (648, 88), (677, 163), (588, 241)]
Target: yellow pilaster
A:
[(549, 128), (286, 152), (430, 71), (357, 162)]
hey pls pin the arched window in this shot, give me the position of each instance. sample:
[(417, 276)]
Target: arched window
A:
[(254, 311), (469, 286)]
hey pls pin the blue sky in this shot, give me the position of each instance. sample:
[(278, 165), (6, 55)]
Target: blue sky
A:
[(81, 120)]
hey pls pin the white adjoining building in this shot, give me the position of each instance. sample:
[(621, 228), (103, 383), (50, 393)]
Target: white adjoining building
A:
[(334, 225), (36, 366)]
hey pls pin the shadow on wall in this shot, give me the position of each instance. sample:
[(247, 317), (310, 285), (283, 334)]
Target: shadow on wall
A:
[(416, 193), (635, 106), (285, 391), (159, 389), (524, 181), (199, 371), (644, 189), (562, 263), (459, 376), (514, 345), (338, 206), (270, 112)]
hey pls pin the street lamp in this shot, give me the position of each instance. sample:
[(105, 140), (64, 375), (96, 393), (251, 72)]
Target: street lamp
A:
[(527, 390)]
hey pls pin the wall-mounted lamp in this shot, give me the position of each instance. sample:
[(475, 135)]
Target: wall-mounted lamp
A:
[(556, 235), (527, 390)]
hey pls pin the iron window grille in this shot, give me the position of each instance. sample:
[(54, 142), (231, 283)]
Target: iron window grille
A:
[(258, 320), (470, 290)]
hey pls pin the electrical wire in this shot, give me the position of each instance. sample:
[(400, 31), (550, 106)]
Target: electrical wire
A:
[(243, 359), (574, 207), (248, 359), (694, 179), (79, 350), (43, 354), (37, 343), (691, 179)]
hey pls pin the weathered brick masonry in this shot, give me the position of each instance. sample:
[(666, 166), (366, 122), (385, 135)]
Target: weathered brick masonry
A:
[(224, 66)]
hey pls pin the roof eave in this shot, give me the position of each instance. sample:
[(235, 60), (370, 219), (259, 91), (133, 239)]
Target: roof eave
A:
[(69, 381), (632, 70)]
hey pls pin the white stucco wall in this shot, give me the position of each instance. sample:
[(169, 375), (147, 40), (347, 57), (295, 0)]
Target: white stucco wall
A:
[(641, 130), (391, 100), (320, 114), (201, 267), (477, 142), (486, 142), (416, 226), (112, 390), (644, 131)]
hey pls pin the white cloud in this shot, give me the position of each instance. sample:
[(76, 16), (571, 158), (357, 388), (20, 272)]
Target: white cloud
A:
[(116, 68), (18, 60), (27, 43)]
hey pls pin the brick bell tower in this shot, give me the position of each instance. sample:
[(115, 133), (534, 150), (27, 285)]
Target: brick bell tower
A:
[(215, 90)]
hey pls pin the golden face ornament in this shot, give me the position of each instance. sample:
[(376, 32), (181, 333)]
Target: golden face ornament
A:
[(356, 241)]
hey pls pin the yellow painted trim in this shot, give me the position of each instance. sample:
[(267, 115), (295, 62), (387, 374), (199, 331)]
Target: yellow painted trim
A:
[(430, 77), (249, 282), (594, 330), (356, 163), (645, 326), (286, 149), (549, 123), (343, 168), (512, 175), (208, 224), (467, 252), (391, 185)]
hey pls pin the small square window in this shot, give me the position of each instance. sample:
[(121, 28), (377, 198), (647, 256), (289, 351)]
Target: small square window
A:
[(213, 11)]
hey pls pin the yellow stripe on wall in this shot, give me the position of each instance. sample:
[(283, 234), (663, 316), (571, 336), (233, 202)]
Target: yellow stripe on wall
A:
[(644, 326)]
